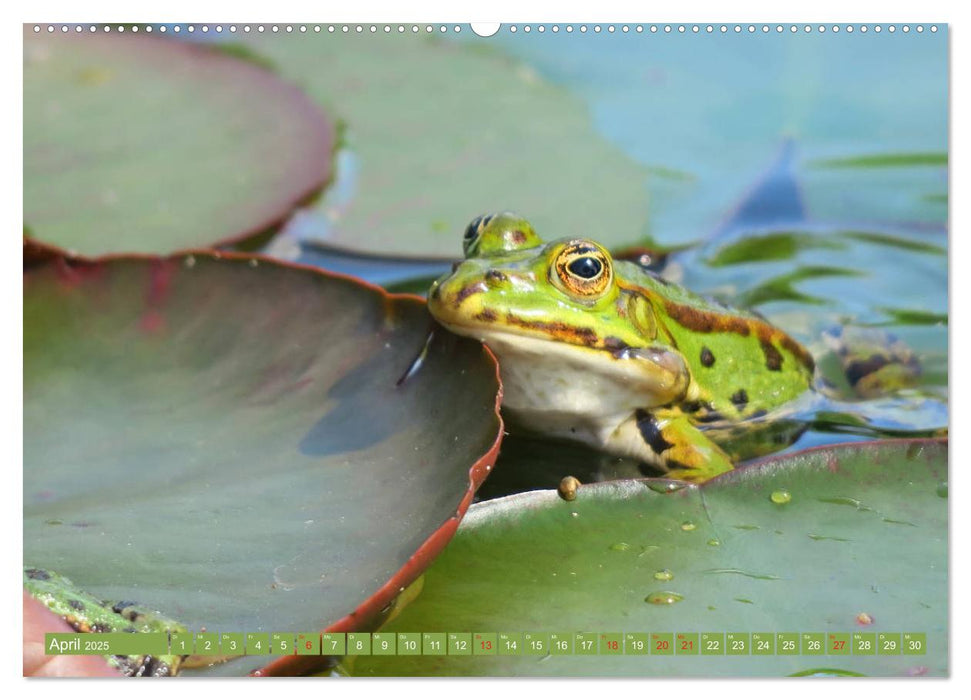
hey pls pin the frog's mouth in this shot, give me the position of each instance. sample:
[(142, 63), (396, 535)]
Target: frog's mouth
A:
[(652, 371)]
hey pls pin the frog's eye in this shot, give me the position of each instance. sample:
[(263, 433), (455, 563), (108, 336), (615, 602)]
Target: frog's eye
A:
[(583, 269)]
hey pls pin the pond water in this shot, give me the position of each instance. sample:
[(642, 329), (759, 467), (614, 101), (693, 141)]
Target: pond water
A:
[(804, 173)]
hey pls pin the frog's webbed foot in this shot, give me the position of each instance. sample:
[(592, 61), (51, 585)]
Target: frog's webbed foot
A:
[(670, 442)]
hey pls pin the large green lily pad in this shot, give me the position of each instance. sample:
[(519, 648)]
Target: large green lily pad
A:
[(438, 132), (142, 144), (859, 546), (238, 443)]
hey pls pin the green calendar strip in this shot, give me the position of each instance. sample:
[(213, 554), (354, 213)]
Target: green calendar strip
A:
[(490, 643)]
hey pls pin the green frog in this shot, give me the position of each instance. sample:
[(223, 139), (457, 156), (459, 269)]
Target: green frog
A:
[(604, 352), (85, 613)]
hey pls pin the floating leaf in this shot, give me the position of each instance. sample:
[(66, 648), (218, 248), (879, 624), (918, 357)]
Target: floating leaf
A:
[(536, 563), (241, 444), (142, 144), (440, 132)]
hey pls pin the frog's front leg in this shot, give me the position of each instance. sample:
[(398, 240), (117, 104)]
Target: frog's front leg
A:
[(668, 440)]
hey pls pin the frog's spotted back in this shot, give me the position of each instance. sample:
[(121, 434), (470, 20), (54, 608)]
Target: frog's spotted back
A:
[(497, 234)]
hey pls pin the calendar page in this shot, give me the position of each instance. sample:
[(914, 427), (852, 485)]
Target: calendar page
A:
[(548, 349)]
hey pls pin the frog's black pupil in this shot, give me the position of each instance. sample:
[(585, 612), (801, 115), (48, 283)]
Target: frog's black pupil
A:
[(585, 267)]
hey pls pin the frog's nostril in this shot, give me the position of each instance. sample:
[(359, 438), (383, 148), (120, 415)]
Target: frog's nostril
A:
[(494, 277)]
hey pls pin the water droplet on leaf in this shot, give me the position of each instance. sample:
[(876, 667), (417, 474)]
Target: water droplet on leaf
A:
[(780, 497), (688, 526), (663, 575), (666, 486), (664, 598)]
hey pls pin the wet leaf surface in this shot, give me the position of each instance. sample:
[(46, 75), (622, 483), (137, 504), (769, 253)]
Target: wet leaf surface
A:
[(228, 440), (142, 144), (849, 538)]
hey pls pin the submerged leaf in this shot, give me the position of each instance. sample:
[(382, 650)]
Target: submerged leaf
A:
[(884, 160)]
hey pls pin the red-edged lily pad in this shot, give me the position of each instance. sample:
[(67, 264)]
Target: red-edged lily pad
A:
[(240, 444), (141, 144), (838, 540)]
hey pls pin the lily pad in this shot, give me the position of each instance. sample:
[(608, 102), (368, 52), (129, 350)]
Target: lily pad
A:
[(850, 538), (141, 144), (239, 444), (438, 132)]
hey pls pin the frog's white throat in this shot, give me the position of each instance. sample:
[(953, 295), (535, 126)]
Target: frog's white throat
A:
[(575, 391)]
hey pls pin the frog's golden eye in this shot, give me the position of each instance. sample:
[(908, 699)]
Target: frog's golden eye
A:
[(583, 269)]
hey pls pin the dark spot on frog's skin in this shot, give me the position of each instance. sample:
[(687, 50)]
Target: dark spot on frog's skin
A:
[(495, 277), (761, 413), (691, 406), (858, 369), (615, 345), (702, 321), (651, 432), (712, 416), (76, 604), (558, 330), (100, 627), (675, 464), (120, 606), (707, 357), (486, 315), (466, 292), (773, 358), (37, 574), (740, 399), (798, 350)]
